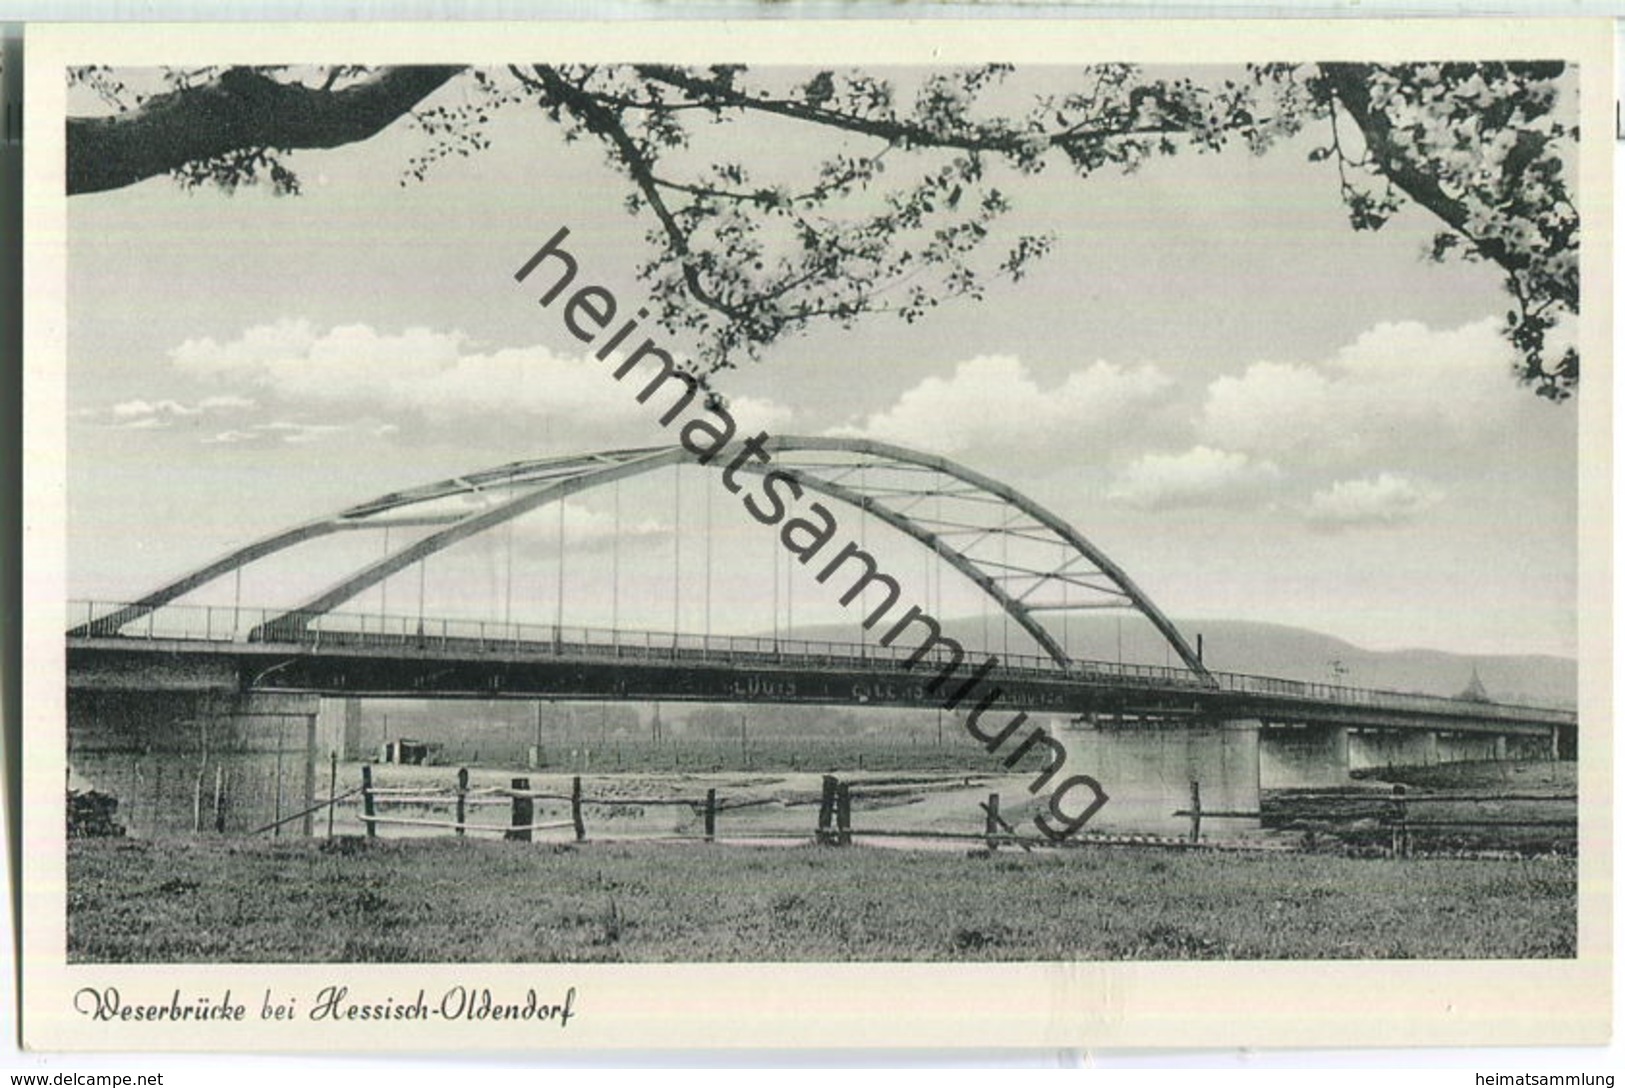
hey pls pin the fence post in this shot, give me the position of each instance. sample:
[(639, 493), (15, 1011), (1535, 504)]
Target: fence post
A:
[(1401, 846), (276, 832), (575, 809), (843, 815), (462, 799), (219, 798), (307, 825), (711, 814), (826, 809), (1196, 810), (367, 812), (332, 790), (991, 827), (524, 809)]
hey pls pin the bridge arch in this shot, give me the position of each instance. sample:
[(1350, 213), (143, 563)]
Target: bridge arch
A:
[(891, 482)]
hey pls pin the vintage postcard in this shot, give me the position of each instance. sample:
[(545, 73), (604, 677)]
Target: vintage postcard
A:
[(999, 533)]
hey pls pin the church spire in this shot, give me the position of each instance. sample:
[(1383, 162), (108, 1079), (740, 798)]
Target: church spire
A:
[(1474, 691)]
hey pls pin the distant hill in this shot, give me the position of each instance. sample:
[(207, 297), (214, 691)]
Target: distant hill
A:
[(1295, 653), (1292, 653)]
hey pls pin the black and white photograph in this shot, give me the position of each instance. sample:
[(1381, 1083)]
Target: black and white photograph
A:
[(531, 526)]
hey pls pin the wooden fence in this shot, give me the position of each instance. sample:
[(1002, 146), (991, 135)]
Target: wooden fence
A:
[(833, 827), (520, 801)]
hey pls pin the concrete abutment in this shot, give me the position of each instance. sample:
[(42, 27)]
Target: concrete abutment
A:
[(186, 761)]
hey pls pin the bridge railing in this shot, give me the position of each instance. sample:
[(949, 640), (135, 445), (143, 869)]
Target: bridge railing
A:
[(362, 630), (1275, 688), (227, 623)]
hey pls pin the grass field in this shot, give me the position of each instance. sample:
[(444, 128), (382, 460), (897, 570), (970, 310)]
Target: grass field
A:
[(469, 901)]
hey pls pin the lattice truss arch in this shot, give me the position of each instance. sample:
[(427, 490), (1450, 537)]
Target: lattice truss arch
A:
[(1029, 561)]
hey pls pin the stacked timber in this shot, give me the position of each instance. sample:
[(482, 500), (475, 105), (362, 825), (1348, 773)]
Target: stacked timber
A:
[(91, 815)]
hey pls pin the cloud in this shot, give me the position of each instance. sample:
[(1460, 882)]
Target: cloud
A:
[(300, 432), (440, 379), (585, 530), (1382, 500), (1201, 476), (534, 535), (759, 414), (224, 438), (224, 403), (1398, 384), (136, 409), (1271, 406), (260, 346), (994, 401), (278, 431), (142, 414)]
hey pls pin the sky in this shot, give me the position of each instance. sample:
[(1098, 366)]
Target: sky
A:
[(1257, 412)]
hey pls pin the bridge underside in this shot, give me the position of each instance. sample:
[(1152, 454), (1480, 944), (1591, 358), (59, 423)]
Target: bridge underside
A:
[(1306, 756)]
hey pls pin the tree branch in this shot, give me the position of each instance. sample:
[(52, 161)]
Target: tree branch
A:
[(899, 132), (241, 109), (602, 123), (1350, 83)]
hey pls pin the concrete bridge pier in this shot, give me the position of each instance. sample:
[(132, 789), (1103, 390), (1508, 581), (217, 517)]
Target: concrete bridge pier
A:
[(1147, 767), (1470, 747), (185, 761), (1370, 748), (1293, 756), (339, 728), (1565, 742), (1304, 756)]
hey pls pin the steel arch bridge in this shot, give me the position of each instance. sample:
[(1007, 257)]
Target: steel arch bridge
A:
[(967, 519)]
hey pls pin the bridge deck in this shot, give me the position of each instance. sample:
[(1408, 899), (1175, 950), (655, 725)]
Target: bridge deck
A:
[(333, 635)]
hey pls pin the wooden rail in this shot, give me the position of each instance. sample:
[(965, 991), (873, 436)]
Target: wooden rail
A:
[(834, 825), (327, 804), (521, 802), (1395, 813), (834, 822)]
